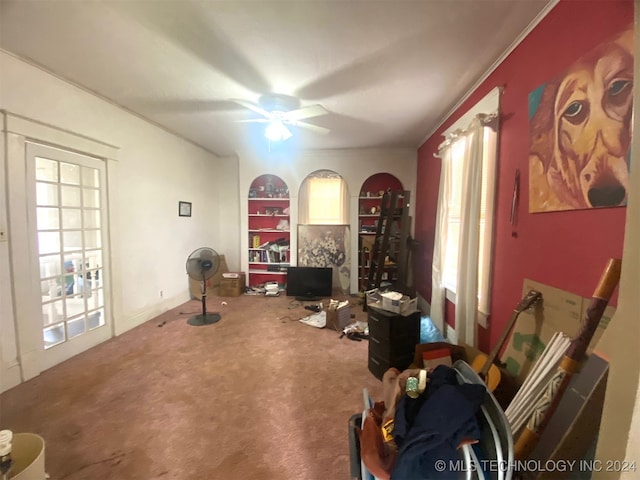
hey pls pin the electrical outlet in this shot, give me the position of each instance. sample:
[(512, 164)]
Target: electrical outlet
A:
[(161, 294)]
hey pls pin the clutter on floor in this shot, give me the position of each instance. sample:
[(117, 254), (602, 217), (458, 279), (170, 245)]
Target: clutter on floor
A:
[(421, 424)]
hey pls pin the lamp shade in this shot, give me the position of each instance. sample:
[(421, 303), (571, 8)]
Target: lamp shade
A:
[(276, 131)]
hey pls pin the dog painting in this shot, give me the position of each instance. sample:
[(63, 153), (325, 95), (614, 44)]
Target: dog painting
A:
[(580, 132)]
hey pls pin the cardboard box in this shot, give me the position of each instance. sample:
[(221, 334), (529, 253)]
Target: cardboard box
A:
[(212, 284), (559, 311), (233, 287), (405, 306), (338, 318)]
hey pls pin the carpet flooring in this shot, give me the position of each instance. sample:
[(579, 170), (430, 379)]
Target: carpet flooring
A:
[(258, 395)]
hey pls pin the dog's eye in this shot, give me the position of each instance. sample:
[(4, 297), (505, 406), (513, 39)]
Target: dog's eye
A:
[(618, 86), (574, 111), (619, 91)]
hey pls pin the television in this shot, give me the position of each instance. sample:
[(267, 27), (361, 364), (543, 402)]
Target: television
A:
[(309, 283)]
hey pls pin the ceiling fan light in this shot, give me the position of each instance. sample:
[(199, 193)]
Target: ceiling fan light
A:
[(277, 132)]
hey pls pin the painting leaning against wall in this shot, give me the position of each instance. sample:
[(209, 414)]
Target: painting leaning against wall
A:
[(327, 246), (580, 131)]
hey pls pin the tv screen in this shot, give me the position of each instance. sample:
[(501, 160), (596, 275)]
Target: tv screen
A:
[(309, 283)]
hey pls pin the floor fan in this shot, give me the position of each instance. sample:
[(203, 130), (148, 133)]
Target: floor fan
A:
[(203, 264)]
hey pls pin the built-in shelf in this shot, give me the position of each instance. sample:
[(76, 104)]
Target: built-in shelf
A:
[(267, 229), (380, 182)]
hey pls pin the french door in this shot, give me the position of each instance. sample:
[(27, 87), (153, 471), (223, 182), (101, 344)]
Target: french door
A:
[(68, 201)]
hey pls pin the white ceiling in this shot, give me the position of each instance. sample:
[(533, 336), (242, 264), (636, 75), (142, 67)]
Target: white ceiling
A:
[(388, 71)]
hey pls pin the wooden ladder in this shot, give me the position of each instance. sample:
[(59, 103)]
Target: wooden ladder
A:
[(390, 247)]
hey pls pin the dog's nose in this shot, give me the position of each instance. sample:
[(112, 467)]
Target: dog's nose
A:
[(607, 195)]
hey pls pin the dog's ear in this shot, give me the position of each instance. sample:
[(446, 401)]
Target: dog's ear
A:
[(542, 128)]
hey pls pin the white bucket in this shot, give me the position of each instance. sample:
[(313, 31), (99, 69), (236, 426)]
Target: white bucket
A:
[(27, 455)]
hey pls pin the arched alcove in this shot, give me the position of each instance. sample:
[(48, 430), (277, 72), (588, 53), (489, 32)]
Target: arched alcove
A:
[(368, 214), (324, 232), (269, 231)]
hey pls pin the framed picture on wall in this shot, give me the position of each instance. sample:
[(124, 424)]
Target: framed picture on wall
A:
[(184, 209)]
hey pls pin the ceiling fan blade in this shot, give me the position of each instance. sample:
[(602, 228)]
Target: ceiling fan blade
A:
[(252, 106), (254, 120), (306, 112), (311, 127)]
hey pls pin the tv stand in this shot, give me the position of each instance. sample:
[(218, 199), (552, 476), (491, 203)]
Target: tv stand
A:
[(308, 299)]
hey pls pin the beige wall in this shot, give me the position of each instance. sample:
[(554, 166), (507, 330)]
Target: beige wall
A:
[(150, 171)]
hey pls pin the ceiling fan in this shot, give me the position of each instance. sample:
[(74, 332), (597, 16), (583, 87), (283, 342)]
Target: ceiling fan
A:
[(279, 111)]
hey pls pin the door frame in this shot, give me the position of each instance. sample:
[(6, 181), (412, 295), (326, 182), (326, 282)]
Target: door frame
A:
[(24, 267), (70, 347)]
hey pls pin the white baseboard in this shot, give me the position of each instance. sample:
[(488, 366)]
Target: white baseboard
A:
[(10, 376), (144, 315)]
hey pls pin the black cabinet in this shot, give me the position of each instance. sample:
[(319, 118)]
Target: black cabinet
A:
[(392, 340)]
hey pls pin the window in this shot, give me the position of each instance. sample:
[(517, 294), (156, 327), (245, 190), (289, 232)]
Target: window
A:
[(324, 199), (464, 226)]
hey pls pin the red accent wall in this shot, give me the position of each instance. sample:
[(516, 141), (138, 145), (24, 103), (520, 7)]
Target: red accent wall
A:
[(567, 250)]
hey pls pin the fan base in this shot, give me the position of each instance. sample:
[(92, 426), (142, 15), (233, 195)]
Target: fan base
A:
[(206, 319)]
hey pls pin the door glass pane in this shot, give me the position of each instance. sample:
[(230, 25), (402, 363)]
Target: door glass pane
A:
[(46, 194), (91, 197), (85, 283), (75, 305), (97, 278), (71, 218), (69, 173), (71, 265), (91, 218), (53, 335), (52, 312), (95, 319), (96, 300), (92, 239), (75, 327), (50, 289), (50, 266), (46, 169), (72, 240), (48, 242), (70, 196), (90, 177), (94, 258), (92, 282), (48, 218)]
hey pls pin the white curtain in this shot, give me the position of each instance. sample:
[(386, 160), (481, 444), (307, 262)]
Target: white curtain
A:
[(472, 282), (468, 249), (303, 202), (440, 243)]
